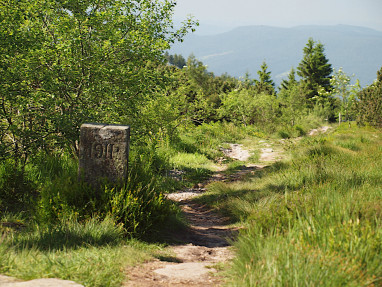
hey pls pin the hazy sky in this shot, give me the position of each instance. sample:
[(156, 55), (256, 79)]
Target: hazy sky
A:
[(282, 13)]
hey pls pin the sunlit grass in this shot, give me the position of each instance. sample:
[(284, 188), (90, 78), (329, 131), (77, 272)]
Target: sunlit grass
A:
[(314, 220), (93, 253), (183, 160)]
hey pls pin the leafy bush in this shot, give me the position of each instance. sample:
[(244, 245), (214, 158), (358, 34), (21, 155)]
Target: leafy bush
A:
[(369, 107), (283, 134), (249, 108), (17, 191)]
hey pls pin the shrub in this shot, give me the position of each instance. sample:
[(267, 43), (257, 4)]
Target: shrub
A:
[(17, 191), (369, 106)]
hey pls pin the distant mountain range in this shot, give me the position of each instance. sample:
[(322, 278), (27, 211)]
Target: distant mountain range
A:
[(357, 50)]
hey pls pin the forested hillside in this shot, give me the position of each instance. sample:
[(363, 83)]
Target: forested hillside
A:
[(65, 63), (354, 49)]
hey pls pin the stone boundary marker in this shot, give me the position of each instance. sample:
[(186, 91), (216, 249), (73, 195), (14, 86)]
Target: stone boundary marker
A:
[(103, 153)]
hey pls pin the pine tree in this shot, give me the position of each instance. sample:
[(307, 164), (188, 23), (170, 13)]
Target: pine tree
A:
[(314, 69), (291, 81), (265, 83), (175, 60)]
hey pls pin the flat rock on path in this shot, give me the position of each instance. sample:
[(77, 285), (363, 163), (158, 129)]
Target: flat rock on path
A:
[(6, 281), (193, 261), (237, 152), (206, 242), (320, 130)]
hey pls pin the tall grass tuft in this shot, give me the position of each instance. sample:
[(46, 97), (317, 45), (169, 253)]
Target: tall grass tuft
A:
[(70, 234), (314, 221)]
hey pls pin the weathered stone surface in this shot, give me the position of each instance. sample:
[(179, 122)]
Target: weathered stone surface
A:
[(104, 153), (6, 281)]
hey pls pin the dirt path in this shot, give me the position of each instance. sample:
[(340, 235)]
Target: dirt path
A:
[(320, 130), (205, 245), (194, 261), (236, 151)]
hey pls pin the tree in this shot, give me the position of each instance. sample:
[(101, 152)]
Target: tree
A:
[(246, 82), (379, 76), (290, 82), (67, 62), (344, 91), (265, 83), (369, 104), (176, 60), (314, 69)]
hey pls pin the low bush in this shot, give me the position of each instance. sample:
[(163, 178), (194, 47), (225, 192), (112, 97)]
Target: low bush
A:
[(17, 191), (48, 190)]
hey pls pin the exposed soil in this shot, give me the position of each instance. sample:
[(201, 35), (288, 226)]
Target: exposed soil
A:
[(203, 245), (236, 151), (206, 243), (320, 130), (268, 153)]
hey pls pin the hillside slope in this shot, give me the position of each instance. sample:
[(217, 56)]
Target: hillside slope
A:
[(356, 49)]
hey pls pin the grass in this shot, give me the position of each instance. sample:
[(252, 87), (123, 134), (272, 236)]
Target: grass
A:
[(314, 220), (66, 230), (92, 253), (197, 152)]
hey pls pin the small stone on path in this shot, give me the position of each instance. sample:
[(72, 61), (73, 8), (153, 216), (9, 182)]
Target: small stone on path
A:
[(186, 271), (6, 281)]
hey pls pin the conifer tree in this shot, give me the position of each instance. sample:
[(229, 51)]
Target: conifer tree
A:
[(314, 69), (291, 81), (176, 60), (265, 83)]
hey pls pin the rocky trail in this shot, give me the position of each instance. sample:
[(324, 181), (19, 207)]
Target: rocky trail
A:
[(206, 244)]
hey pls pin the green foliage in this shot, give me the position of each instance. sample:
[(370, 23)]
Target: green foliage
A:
[(49, 191), (176, 60), (293, 103), (346, 92), (314, 69), (265, 83), (369, 104), (288, 84), (249, 108), (92, 253), (205, 141), (314, 220), (65, 63), (71, 234), (17, 191), (140, 205), (68, 62)]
